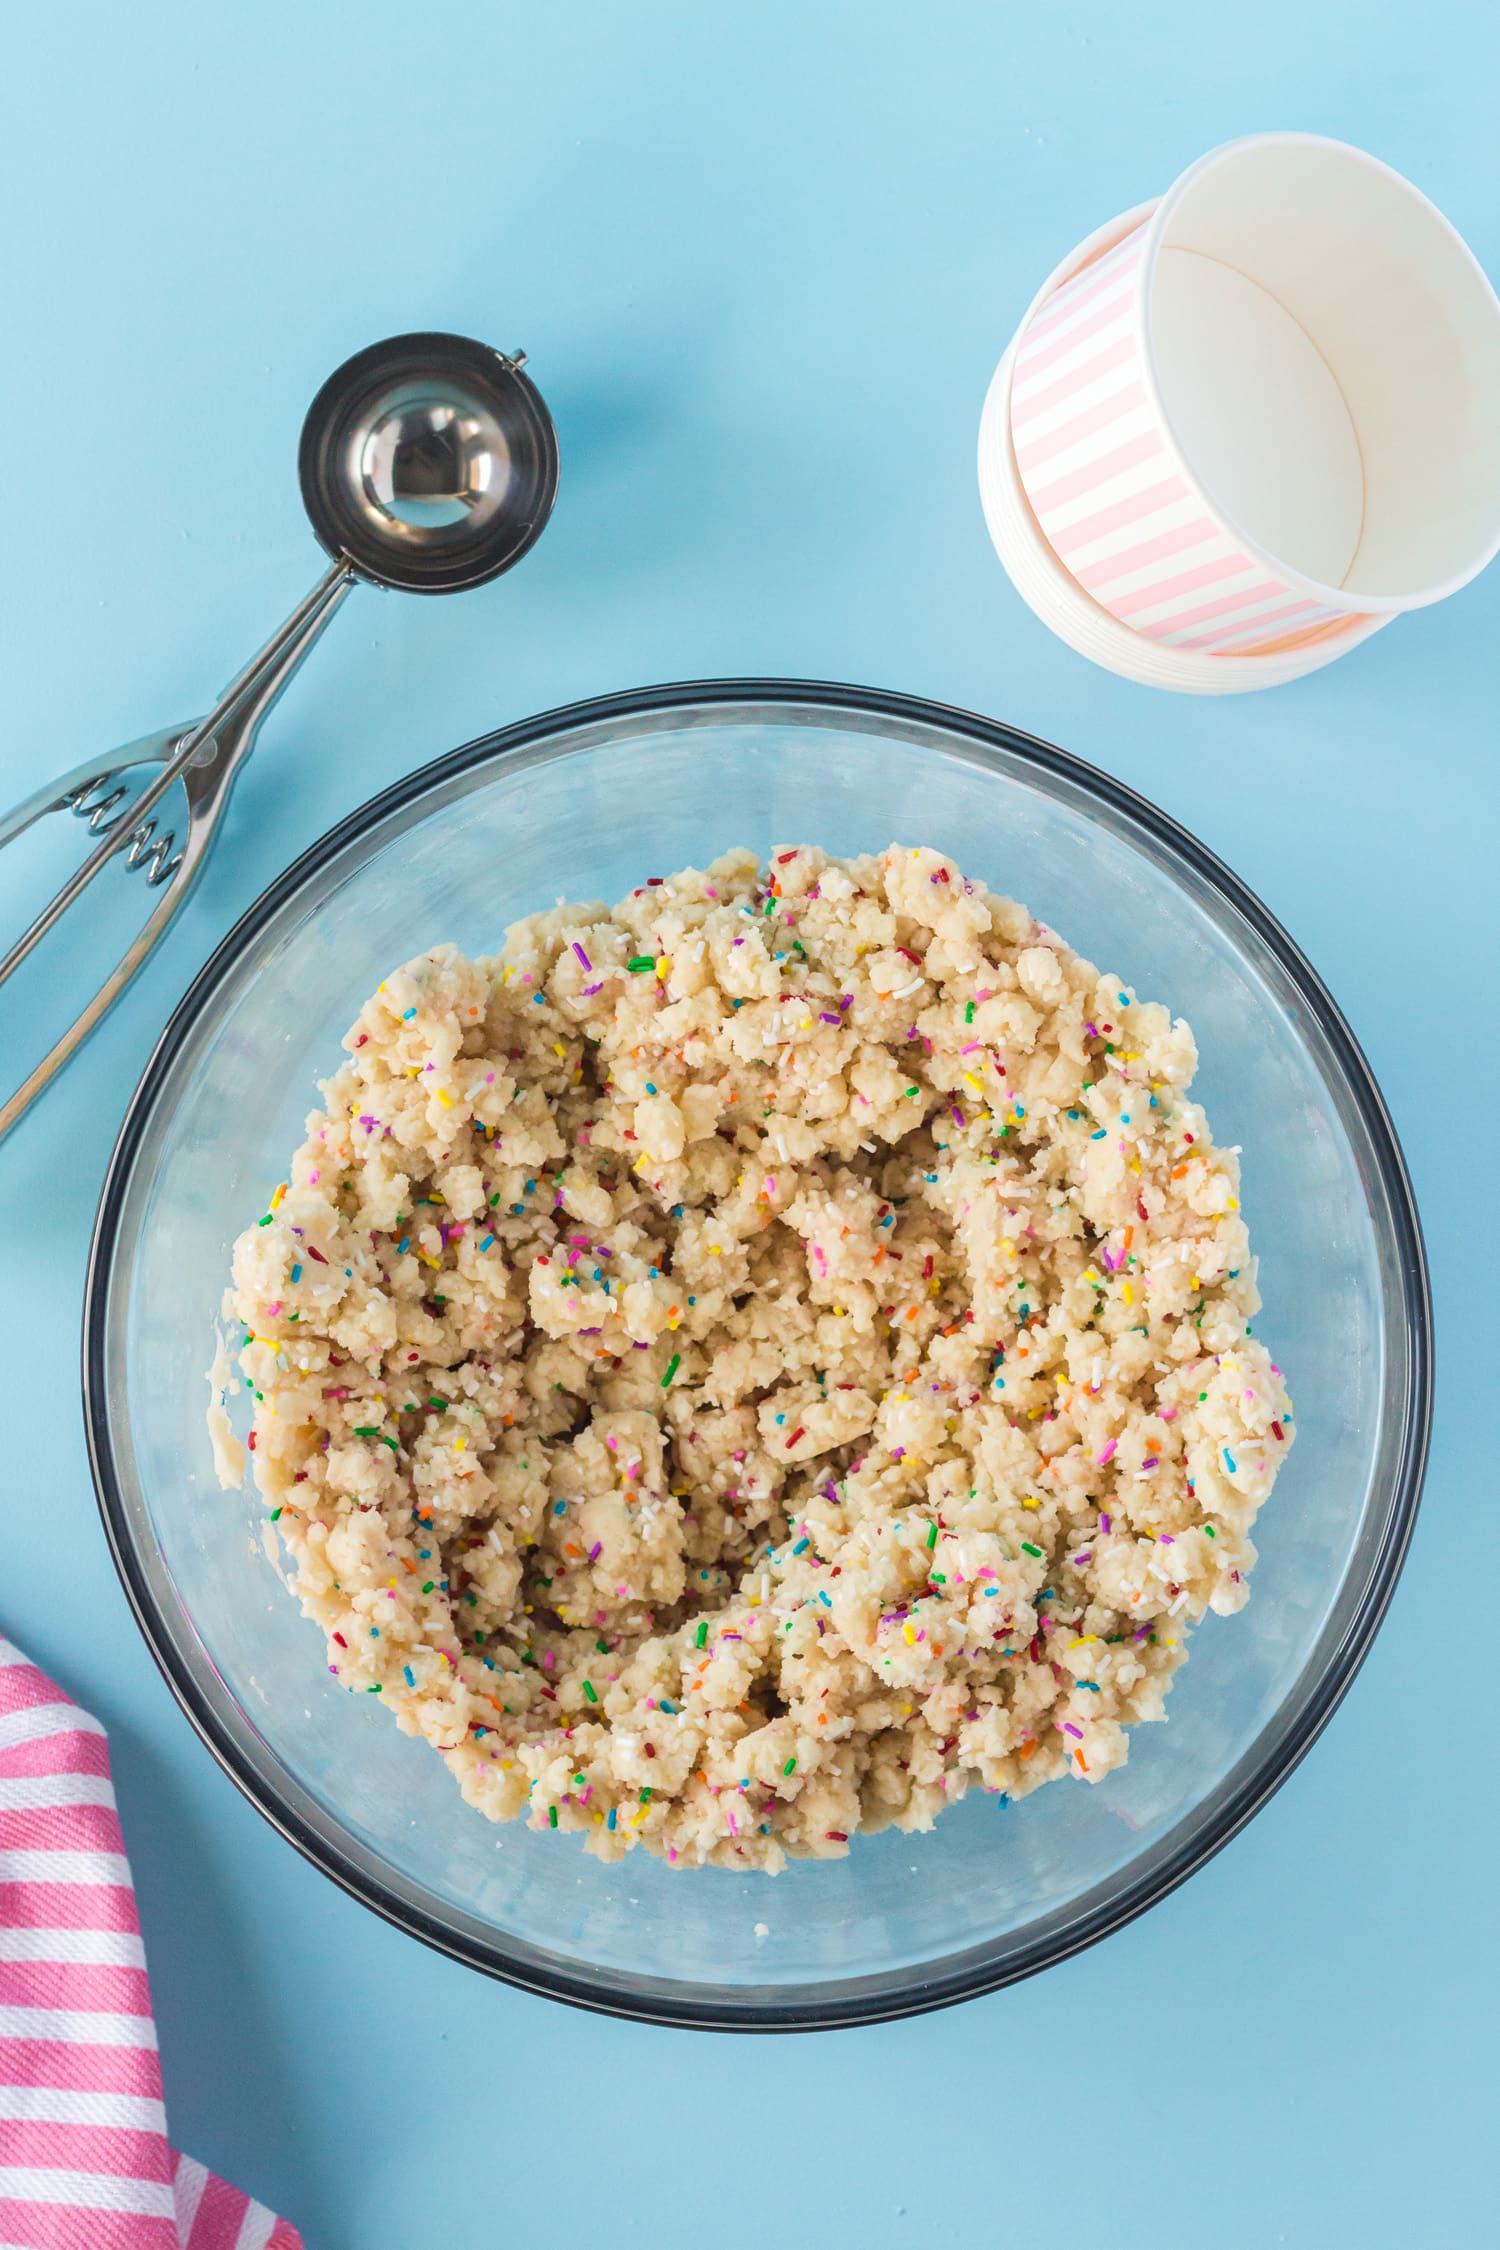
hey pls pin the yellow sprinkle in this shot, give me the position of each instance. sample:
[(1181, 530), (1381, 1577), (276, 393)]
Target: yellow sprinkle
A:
[(280, 1192), (714, 1251), (1128, 1292), (558, 1048), (910, 1633), (459, 1444), (1031, 1503), (442, 1097), (662, 965), (1234, 1206), (973, 1081)]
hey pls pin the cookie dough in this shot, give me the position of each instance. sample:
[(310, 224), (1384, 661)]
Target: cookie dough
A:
[(744, 1368)]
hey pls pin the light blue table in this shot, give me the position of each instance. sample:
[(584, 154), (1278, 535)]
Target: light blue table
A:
[(764, 258)]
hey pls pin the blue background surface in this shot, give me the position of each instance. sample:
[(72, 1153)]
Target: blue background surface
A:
[(763, 258)]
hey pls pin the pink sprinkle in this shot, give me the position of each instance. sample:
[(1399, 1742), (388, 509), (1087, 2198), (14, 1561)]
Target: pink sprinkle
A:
[(272, 1310), (1169, 1413), (312, 1179), (973, 1043), (549, 1659), (583, 957), (1101, 1458)]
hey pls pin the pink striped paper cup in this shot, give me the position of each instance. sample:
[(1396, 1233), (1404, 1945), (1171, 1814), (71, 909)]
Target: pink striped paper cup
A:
[(1271, 412)]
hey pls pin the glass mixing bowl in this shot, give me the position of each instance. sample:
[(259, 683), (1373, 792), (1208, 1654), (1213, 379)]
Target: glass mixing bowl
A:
[(585, 803)]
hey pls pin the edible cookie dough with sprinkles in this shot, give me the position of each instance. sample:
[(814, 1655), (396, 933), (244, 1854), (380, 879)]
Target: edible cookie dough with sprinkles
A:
[(744, 1368)]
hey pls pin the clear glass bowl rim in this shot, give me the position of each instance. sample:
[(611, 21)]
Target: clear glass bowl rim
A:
[(910, 1991)]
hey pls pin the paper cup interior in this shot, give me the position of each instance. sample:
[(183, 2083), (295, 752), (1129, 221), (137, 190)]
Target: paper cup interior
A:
[(1327, 354)]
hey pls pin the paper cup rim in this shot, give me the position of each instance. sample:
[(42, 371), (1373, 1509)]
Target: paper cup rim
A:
[(1103, 638), (1313, 589)]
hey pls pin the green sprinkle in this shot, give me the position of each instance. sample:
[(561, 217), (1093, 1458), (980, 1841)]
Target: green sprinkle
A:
[(390, 1441), (552, 1816), (440, 1404), (366, 1429), (375, 1690), (427, 1589), (645, 1796), (932, 1535), (672, 1366), (275, 1512), (265, 1222), (700, 1638), (969, 1013), (641, 961), (1027, 1548), (588, 1689), (787, 1768)]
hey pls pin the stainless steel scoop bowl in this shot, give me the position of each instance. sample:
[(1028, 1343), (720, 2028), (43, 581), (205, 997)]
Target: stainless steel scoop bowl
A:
[(428, 464)]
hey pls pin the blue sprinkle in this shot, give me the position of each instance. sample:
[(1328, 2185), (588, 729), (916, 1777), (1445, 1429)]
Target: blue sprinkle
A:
[(401, 1245), (374, 1632), (489, 1238), (538, 998), (664, 1705), (1091, 1685), (1097, 1136), (411, 1677), (408, 1014), (800, 1545), (611, 1820), (1228, 1459), (991, 1593), (823, 1598), (516, 1210), (649, 1087), (296, 1273), (1123, 998), (530, 1184), (561, 1508)]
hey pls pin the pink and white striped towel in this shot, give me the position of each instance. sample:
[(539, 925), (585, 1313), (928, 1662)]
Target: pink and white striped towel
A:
[(84, 2159)]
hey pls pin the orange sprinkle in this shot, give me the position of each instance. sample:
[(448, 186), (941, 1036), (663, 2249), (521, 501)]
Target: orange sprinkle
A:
[(1027, 1748)]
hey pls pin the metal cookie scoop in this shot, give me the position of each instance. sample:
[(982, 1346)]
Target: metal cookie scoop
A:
[(428, 463)]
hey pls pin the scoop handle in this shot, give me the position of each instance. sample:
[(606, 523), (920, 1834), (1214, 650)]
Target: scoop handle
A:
[(206, 757)]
